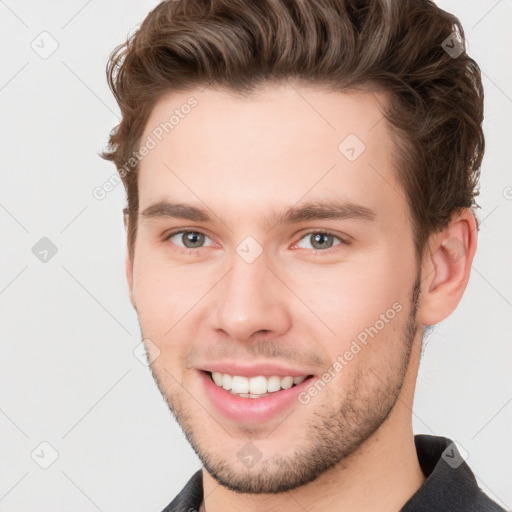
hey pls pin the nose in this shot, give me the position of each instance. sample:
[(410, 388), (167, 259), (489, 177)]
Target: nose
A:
[(251, 301)]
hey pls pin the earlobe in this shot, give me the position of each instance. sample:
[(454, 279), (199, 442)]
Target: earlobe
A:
[(446, 268)]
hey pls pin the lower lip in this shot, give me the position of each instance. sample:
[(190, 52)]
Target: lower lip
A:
[(251, 410)]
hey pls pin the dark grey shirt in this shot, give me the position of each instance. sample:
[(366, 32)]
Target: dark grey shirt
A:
[(450, 485)]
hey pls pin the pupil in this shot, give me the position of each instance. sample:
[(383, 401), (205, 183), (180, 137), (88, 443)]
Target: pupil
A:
[(192, 239), (321, 239)]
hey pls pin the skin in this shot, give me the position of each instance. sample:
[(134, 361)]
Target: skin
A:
[(352, 446)]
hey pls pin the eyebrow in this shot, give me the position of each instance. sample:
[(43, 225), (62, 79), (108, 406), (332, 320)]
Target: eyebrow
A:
[(312, 210)]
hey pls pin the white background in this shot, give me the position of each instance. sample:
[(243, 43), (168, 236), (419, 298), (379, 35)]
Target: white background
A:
[(68, 373)]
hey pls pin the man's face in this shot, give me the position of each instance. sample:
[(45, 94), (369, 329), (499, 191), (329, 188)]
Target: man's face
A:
[(303, 293)]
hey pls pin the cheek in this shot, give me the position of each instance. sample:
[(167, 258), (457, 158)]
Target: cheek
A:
[(352, 297), (163, 295)]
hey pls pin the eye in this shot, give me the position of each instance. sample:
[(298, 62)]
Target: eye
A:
[(187, 239), (320, 240)]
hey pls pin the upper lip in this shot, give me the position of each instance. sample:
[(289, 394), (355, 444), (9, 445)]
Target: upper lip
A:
[(255, 369)]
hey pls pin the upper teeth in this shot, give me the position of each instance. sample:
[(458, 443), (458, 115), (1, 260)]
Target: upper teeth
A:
[(254, 385)]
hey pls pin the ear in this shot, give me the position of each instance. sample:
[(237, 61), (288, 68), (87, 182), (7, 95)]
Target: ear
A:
[(128, 260), (446, 268)]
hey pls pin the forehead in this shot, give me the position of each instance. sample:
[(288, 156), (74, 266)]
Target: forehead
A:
[(283, 144)]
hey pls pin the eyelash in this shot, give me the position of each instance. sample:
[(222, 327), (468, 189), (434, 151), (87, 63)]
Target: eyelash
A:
[(316, 252)]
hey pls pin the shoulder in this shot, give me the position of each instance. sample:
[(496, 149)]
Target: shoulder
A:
[(190, 497), (450, 485)]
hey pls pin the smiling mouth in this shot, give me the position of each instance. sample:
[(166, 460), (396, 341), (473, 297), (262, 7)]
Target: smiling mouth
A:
[(254, 387)]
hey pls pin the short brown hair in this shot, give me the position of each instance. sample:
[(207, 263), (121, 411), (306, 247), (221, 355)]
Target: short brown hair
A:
[(400, 47)]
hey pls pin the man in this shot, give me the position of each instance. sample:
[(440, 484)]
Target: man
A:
[(301, 178)]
